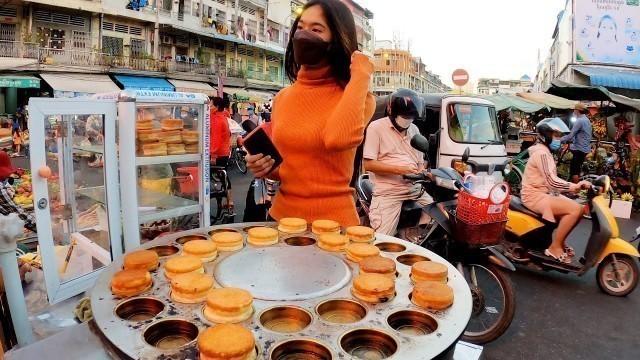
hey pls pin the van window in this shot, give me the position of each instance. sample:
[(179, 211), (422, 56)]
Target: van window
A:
[(473, 123)]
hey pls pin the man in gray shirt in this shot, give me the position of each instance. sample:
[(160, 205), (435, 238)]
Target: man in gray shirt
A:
[(580, 137)]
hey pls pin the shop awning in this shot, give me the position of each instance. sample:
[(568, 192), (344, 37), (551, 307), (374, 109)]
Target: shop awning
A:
[(75, 85), (259, 96), (591, 93), (144, 83), (503, 102), (239, 93), (19, 81), (549, 100), (624, 79), (194, 87)]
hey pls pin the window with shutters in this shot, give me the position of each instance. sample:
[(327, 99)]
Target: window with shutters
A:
[(7, 32), (138, 48), (51, 38), (113, 45), (80, 40), (274, 71)]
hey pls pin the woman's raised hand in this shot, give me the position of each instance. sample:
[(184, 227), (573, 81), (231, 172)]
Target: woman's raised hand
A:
[(259, 165)]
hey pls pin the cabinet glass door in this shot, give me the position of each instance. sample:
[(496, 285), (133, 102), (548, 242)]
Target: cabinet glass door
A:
[(78, 220)]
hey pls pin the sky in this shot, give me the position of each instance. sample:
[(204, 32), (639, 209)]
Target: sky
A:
[(488, 38)]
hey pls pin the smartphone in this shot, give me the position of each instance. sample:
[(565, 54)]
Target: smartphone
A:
[(258, 142)]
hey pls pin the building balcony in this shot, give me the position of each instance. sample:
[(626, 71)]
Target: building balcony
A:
[(254, 75), (259, 3)]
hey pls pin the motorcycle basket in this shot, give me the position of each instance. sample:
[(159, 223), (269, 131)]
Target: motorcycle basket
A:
[(476, 235)]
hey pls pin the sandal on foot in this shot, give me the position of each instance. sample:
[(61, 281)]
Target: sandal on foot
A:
[(564, 258), (569, 251)]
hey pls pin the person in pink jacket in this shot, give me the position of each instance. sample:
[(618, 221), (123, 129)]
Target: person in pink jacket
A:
[(541, 188)]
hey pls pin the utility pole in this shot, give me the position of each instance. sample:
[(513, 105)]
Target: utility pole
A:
[(156, 32)]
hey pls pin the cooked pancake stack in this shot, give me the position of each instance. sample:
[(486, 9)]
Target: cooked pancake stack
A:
[(373, 288), (183, 265), (206, 250), (320, 227), (378, 265), (227, 342), (432, 295), (142, 259), (357, 251), (361, 234), (170, 139), (190, 288), (228, 240), (228, 305), (429, 271), (333, 242), (292, 225), (262, 236), (131, 282)]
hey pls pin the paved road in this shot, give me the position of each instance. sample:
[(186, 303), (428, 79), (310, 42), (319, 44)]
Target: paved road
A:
[(558, 316)]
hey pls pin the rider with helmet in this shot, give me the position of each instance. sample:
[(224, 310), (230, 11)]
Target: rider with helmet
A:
[(388, 155), (541, 187)]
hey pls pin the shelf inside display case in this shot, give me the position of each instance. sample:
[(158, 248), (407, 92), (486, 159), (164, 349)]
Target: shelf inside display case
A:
[(168, 206), (170, 159), (96, 149)]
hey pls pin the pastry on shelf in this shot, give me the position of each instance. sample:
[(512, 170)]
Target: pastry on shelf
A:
[(228, 305), (378, 265), (131, 282), (169, 137), (176, 149), (357, 251), (191, 148), (144, 124), (182, 265), (429, 270), (227, 342), (373, 288), (432, 295), (262, 236), (320, 227), (142, 259), (333, 242), (206, 250), (361, 234), (189, 137), (154, 149), (190, 288), (147, 136), (172, 124), (292, 225)]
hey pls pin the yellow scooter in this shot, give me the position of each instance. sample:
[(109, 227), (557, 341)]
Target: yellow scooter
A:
[(528, 234)]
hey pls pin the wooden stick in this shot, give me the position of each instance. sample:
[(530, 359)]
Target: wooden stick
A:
[(66, 260)]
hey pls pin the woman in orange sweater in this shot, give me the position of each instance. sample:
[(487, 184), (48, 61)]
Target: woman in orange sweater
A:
[(319, 121)]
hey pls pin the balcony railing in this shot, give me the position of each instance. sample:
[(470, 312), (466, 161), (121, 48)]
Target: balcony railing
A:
[(83, 58)]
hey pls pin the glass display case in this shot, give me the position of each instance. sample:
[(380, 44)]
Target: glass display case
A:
[(164, 153), (73, 160), (125, 168)]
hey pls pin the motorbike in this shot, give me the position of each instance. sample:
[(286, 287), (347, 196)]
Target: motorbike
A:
[(483, 267), (527, 235)]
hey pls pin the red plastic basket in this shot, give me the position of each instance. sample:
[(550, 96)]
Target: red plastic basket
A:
[(476, 235), (477, 211)]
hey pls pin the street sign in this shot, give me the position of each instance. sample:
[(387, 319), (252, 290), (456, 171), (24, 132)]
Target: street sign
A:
[(460, 77)]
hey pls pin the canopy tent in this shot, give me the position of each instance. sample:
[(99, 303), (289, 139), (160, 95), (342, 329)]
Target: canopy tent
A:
[(239, 93), (144, 83), (552, 101), (194, 87), (592, 93), (503, 102), (259, 96)]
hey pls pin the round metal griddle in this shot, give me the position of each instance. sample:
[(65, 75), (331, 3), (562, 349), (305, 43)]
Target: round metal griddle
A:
[(293, 284)]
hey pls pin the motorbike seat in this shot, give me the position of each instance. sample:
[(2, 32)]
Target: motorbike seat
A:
[(410, 205), (515, 203)]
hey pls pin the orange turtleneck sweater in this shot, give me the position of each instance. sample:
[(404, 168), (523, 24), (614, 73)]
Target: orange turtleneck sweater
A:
[(317, 127)]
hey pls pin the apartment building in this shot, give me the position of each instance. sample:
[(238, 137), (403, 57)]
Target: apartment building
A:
[(492, 86), (397, 68), (189, 42)]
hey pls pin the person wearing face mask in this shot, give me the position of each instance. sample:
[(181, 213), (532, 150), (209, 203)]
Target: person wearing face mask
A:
[(541, 187), (318, 122), (580, 138), (388, 155)]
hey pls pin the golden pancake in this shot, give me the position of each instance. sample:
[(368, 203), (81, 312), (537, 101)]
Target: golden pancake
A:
[(190, 288), (373, 288), (141, 259), (358, 251), (378, 265), (227, 342), (432, 295), (292, 225), (320, 227), (262, 236), (206, 250), (228, 305), (182, 265), (131, 282), (361, 234), (429, 270), (228, 240), (333, 242)]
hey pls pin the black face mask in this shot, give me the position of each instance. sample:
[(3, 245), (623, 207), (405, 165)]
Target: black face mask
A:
[(309, 48)]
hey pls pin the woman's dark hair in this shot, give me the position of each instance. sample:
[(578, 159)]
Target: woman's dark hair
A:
[(344, 41), (218, 102)]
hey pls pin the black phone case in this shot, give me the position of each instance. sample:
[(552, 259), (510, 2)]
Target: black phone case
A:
[(259, 143)]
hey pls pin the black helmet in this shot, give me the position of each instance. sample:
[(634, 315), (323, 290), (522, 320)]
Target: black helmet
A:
[(406, 102), (547, 127)]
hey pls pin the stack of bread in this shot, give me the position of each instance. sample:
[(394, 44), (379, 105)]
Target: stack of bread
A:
[(171, 139)]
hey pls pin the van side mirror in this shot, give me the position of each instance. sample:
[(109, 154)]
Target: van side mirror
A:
[(465, 155)]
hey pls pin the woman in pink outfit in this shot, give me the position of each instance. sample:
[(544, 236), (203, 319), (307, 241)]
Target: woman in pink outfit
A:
[(541, 185)]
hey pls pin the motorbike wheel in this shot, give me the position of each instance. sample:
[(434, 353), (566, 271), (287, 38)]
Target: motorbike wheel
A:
[(494, 303), (241, 163), (619, 277)]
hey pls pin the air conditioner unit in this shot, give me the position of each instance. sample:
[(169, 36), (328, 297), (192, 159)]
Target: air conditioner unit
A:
[(166, 39)]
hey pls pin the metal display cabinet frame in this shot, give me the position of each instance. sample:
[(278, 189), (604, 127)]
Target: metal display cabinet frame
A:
[(66, 112), (129, 101)]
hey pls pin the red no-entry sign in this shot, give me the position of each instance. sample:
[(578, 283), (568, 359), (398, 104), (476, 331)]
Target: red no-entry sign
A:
[(460, 77)]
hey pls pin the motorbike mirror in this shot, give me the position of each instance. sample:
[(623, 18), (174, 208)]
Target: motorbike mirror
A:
[(465, 155), (433, 139), (420, 143)]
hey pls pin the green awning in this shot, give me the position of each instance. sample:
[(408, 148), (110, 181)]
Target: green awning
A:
[(552, 101), (512, 102), (591, 93), (18, 81)]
